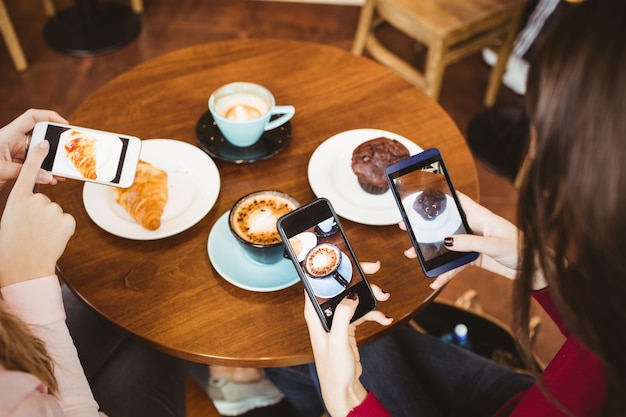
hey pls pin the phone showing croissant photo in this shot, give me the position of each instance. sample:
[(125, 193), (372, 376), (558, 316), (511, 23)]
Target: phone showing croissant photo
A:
[(88, 154)]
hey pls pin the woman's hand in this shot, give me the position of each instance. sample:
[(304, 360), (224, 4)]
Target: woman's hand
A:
[(336, 354), (13, 145), (33, 230), (495, 239)]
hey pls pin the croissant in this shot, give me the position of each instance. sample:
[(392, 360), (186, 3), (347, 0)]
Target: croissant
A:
[(146, 198), (82, 152)]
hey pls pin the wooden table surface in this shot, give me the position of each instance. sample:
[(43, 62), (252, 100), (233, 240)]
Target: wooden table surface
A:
[(166, 292)]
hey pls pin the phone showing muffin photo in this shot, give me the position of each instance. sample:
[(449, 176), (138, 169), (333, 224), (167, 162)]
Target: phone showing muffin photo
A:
[(326, 264), (430, 209)]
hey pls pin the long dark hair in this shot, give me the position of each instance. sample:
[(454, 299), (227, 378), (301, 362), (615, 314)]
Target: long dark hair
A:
[(572, 205)]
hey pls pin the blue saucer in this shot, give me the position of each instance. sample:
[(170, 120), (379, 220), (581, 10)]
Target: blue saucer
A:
[(229, 260)]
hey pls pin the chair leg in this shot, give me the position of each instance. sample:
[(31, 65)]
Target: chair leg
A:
[(13, 43), (364, 27), (49, 7), (497, 72), (137, 6), (434, 69)]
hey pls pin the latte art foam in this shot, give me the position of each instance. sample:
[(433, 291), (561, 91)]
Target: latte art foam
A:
[(242, 106), (242, 112), (322, 260), (255, 218)]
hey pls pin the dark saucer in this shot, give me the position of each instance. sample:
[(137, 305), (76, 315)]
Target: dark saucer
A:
[(211, 141), (320, 233)]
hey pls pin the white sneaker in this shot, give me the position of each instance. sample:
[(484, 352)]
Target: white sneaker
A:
[(490, 57), (236, 398), (516, 71)]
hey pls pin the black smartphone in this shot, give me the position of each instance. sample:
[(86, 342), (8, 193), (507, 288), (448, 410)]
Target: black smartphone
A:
[(319, 249), (430, 209)]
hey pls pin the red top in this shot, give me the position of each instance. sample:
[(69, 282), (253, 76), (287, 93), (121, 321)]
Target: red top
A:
[(574, 377)]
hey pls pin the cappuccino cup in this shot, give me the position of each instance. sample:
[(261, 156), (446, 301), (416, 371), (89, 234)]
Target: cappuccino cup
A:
[(243, 111), (323, 261), (252, 221)]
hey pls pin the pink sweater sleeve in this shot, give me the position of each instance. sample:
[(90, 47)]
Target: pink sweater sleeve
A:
[(370, 407), (39, 304), (575, 377)]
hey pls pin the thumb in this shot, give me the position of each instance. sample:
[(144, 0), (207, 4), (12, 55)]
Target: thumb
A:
[(343, 314)]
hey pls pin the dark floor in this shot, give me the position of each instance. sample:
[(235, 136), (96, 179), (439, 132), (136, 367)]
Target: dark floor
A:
[(60, 82)]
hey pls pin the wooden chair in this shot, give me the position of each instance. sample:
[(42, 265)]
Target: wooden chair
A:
[(451, 29), (13, 43)]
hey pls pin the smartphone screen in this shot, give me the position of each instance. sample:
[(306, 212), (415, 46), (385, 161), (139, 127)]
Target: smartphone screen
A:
[(88, 154), (324, 259), (430, 210)]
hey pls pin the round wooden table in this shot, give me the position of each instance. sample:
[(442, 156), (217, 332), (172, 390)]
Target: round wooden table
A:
[(166, 292)]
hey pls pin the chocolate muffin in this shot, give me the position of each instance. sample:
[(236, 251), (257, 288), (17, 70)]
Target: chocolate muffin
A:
[(430, 204), (370, 159)]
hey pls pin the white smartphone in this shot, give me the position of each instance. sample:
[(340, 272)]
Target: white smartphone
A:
[(87, 154), (326, 264), (430, 209)]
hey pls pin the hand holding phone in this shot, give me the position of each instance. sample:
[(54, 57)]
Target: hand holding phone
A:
[(88, 154), (324, 260), (430, 209)]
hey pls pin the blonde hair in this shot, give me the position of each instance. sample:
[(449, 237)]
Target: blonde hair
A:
[(21, 351)]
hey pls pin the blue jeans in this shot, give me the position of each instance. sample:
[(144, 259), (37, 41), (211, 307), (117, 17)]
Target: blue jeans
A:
[(412, 375), (126, 378)]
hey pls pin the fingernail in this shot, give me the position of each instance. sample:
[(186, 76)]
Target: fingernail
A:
[(448, 241), (353, 296), (384, 292), (434, 286), (44, 144), (406, 252)]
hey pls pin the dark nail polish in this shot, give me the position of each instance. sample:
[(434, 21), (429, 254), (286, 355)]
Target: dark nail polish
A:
[(448, 241), (353, 296)]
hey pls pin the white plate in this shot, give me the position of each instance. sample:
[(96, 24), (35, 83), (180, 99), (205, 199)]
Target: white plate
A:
[(431, 231), (308, 240), (231, 262), (193, 187), (330, 175)]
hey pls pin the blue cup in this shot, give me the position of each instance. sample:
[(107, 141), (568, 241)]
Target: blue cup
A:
[(244, 110)]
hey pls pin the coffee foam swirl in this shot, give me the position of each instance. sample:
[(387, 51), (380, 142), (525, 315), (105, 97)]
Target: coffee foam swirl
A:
[(242, 106), (255, 218), (322, 261)]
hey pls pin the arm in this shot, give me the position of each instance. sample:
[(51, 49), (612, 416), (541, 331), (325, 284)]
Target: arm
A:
[(33, 235), (38, 303), (336, 354), (575, 378)]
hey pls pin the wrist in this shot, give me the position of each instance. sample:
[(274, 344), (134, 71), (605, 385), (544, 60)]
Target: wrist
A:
[(9, 276), (341, 405)]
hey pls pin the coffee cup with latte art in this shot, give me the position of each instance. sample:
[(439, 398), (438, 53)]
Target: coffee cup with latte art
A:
[(243, 111), (252, 221), (324, 260)]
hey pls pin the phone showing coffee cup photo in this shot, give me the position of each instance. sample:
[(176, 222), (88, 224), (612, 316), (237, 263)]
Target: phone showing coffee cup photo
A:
[(430, 209), (88, 154), (326, 264)]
